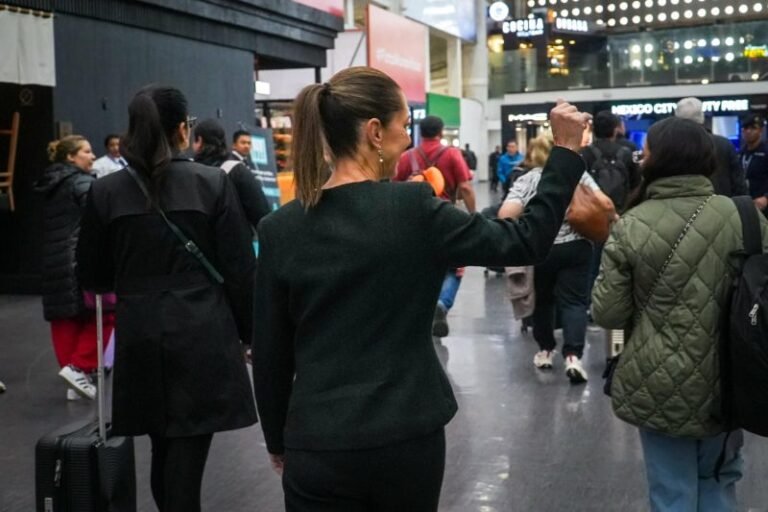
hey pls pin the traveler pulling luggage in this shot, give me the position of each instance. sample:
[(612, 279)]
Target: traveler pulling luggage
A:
[(81, 468)]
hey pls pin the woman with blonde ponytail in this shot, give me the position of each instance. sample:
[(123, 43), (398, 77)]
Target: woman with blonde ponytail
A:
[(350, 391), (64, 186)]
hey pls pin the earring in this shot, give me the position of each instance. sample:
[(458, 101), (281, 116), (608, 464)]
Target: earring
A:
[(381, 156)]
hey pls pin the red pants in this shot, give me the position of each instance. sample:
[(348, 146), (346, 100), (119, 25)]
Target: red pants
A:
[(74, 340)]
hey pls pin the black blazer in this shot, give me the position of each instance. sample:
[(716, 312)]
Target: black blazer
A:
[(343, 353), (179, 367)]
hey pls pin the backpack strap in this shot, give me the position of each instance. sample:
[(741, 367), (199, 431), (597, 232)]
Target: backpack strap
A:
[(750, 225), (415, 167), (229, 165), (431, 162)]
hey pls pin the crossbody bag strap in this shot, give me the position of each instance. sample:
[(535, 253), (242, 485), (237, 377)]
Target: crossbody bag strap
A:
[(189, 245), (680, 237)]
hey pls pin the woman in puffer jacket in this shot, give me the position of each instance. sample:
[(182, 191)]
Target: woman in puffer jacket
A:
[(666, 284), (64, 186)]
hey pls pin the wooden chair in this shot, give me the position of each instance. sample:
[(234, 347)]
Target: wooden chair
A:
[(6, 176)]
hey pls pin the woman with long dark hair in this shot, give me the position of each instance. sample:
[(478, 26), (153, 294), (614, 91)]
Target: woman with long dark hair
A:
[(209, 144), (179, 373), (664, 277), (65, 185), (350, 391)]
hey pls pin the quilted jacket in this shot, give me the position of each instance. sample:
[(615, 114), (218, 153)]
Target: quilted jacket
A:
[(667, 377)]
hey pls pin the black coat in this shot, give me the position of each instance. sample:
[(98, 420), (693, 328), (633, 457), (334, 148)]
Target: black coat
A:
[(343, 357), (179, 367), (728, 179), (65, 188)]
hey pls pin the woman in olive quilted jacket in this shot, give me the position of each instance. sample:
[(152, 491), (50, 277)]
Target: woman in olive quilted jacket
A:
[(663, 277)]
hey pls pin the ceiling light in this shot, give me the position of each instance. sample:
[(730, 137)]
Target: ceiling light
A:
[(649, 3), (704, 81), (635, 19), (715, 11), (729, 56), (636, 4), (611, 7), (662, 16), (758, 7), (600, 22), (729, 10), (649, 18), (648, 48), (702, 13), (576, 11), (662, 3), (564, 13), (688, 45), (624, 20), (531, 3), (701, 43), (715, 58), (598, 9), (715, 42), (648, 63), (700, 59), (743, 8), (688, 60), (742, 40), (677, 60), (623, 6), (636, 64), (729, 41), (676, 45), (674, 2), (611, 22), (755, 76), (675, 15), (635, 48), (587, 10), (688, 14)]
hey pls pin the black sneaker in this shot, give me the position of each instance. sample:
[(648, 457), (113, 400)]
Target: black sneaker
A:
[(440, 322)]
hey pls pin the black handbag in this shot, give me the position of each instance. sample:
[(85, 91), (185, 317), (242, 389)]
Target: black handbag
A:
[(613, 362)]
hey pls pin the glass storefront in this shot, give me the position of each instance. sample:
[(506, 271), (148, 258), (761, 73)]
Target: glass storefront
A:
[(692, 55)]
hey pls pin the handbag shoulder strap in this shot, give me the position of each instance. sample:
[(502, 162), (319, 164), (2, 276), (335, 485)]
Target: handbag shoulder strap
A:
[(680, 237), (189, 245), (750, 225)]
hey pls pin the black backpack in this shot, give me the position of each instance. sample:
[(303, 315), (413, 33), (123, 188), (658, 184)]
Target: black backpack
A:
[(610, 172), (744, 343)]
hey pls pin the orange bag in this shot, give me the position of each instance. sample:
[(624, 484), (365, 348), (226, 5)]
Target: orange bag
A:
[(431, 174), (591, 213)]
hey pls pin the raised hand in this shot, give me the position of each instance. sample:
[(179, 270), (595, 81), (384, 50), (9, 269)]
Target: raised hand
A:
[(568, 125)]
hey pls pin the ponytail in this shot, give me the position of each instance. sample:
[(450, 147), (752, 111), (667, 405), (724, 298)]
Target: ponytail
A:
[(58, 150), (309, 145), (153, 115)]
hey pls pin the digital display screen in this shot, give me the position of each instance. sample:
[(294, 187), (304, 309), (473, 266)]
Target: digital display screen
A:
[(456, 17), (259, 154)]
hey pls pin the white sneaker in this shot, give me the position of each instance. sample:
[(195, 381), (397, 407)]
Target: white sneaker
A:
[(72, 395), (78, 381), (543, 359), (574, 370)]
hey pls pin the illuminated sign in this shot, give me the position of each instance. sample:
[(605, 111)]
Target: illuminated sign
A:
[(571, 25), (539, 116), (498, 11), (530, 27), (711, 106), (756, 52)]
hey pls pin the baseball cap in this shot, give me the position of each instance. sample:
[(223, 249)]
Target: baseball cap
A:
[(752, 120)]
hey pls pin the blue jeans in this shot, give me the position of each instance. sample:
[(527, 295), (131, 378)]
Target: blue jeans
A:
[(450, 288), (681, 472)]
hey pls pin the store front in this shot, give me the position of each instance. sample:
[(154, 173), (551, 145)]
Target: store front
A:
[(523, 122)]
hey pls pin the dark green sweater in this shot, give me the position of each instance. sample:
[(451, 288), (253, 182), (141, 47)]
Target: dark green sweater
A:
[(343, 354)]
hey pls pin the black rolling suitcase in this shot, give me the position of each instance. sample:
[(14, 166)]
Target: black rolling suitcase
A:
[(82, 468)]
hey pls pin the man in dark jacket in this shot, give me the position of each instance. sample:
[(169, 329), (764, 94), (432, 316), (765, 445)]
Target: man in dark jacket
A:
[(493, 162), (728, 180), (754, 159), (241, 148)]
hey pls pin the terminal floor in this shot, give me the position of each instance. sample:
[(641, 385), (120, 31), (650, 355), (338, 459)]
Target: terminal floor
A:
[(522, 441)]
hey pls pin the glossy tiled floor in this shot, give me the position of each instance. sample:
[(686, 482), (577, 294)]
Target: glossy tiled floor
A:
[(522, 441)]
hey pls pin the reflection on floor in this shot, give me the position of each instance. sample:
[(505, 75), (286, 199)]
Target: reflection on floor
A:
[(522, 441)]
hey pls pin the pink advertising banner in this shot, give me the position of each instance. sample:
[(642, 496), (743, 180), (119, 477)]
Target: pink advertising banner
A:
[(335, 7), (397, 46)]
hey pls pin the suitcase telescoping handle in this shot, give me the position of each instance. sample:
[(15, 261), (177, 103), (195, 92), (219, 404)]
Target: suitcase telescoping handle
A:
[(101, 394)]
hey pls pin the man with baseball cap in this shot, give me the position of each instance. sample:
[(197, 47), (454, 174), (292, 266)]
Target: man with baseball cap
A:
[(754, 159), (728, 180)]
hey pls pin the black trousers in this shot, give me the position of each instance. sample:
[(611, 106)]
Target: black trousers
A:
[(394, 478), (177, 471), (561, 284)]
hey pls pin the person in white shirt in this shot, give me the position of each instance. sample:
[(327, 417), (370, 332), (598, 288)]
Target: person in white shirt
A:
[(112, 161)]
